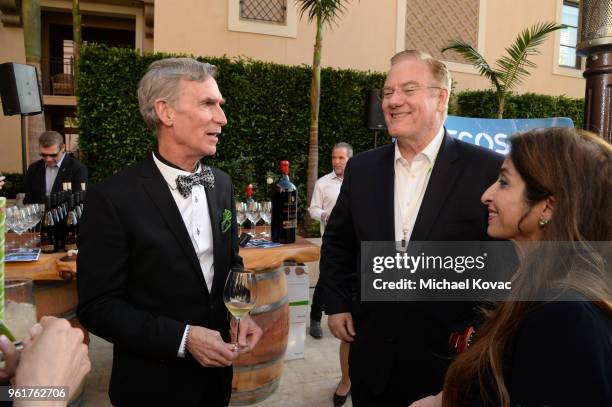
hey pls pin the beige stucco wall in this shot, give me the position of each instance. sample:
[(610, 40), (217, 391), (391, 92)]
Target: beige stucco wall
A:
[(12, 49), (504, 20), (364, 38)]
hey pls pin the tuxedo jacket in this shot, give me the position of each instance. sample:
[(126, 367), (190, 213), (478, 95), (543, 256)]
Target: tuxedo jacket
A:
[(406, 338), (140, 283), (71, 170)]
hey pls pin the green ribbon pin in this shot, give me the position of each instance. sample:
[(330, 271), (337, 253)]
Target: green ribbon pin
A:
[(226, 223)]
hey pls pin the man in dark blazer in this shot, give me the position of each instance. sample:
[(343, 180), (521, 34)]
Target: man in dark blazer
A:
[(157, 242), (425, 186), (55, 167)]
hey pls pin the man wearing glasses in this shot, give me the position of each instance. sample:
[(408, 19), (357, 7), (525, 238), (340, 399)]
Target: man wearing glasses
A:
[(424, 187), (46, 175)]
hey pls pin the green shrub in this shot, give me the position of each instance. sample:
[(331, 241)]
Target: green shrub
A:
[(267, 106), (483, 103), (13, 184)]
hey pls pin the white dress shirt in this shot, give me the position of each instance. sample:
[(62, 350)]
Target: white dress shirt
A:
[(51, 174), (324, 196), (410, 183), (195, 214)]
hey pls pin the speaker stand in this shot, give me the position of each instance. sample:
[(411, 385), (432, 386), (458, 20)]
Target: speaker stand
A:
[(24, 157), (375, 138)]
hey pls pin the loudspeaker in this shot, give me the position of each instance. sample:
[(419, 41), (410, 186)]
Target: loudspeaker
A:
[(19, 89), (375, 120)]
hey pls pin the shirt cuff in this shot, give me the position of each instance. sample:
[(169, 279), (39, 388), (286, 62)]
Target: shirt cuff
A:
[(181, 351)]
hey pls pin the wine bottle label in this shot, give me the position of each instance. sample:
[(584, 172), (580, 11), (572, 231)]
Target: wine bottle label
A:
[(47, 247), (72, 246)]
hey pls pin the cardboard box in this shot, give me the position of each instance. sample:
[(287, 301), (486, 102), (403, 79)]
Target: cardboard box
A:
[(298, 292), (297, 339)]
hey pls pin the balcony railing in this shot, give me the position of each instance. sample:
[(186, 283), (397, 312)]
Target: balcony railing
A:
[(58, 76)]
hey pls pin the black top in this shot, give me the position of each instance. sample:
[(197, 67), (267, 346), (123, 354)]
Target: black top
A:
[(71, 170), (561, 355)]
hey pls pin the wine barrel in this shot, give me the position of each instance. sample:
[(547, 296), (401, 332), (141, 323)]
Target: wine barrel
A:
[(257, 373)]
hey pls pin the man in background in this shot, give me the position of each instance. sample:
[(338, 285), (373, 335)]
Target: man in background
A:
[(55, 167), (324, 197)]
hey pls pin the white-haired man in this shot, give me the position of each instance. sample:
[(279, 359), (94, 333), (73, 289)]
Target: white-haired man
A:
[(157, 242)]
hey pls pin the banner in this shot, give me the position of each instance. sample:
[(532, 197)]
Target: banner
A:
[(494, 133)]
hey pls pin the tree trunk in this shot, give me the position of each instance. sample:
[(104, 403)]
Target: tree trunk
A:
[(313, 143), (32, 39), (502, 102), (76, 40)]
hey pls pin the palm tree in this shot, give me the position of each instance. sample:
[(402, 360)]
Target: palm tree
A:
[(511, 69), (323, 12)]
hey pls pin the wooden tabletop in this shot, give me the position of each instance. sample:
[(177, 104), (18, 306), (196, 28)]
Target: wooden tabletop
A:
[(50, 267)]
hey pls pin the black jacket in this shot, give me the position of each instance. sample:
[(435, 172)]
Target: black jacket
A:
[(71, 170), (140, 283), (409, 339)]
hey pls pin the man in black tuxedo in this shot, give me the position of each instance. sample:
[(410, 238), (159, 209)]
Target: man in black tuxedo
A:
[(425, 186), (55, 167), (156, 244)]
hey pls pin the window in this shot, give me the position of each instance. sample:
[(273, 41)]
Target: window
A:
[(270, 11), (569, 36), (269, 17)]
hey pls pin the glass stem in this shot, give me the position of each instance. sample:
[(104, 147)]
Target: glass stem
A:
[(237, 346)]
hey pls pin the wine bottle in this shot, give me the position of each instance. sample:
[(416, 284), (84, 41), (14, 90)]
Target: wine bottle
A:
[(284, 207), (58, 220), (47, 229), (248, 224), (71, 227)]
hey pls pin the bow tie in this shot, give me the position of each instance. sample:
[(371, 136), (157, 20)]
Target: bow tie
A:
[(184, 183)]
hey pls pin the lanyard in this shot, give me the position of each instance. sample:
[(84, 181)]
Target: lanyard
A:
[(409, 213)]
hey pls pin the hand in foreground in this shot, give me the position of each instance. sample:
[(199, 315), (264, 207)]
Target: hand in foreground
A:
[(55, 355), (11, 358), (341, 326), (208, 348), (429, 401), (250, 333)]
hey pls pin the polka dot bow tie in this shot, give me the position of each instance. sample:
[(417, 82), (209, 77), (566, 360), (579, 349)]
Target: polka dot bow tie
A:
[(184, 183)]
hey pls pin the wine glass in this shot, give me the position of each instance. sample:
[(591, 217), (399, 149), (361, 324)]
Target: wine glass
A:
[(241, 209), (266, 215), (253, 210), (239, 296)]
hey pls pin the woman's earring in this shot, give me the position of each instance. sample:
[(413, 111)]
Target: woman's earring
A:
[(543, 222)]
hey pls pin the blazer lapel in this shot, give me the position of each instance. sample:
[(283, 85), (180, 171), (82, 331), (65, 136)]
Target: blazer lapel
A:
[(214, 209), (61, 174), (41, 179), (384, 195), (155, 185), (440, 184)]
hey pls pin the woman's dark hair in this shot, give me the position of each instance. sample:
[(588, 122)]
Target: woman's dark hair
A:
[(574, 168)]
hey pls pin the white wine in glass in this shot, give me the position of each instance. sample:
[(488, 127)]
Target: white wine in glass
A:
[(239, 296)]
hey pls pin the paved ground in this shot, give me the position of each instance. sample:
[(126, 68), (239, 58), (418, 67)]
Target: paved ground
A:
[(305, 382)]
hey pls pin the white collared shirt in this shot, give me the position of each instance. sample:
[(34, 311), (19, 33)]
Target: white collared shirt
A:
[(410, 183), (195, 214), (51, 174), (324, 196)]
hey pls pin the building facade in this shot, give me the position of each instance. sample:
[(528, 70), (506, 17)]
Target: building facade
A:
[(365, 37)]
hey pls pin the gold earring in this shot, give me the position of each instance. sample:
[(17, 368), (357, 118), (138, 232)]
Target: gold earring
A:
[(543, 222)]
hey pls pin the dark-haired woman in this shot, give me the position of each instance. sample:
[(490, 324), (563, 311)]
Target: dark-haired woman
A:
[(553, 199)]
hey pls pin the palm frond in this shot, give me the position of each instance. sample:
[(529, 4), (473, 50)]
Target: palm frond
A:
[(475, 58), (512, 68), (326, 10)]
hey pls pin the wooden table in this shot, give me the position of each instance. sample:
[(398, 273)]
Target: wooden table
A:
[(256, 374)]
